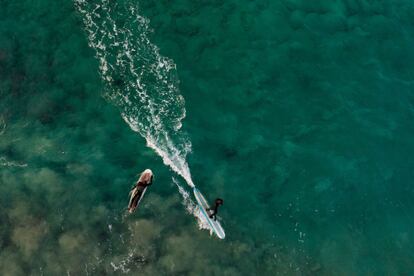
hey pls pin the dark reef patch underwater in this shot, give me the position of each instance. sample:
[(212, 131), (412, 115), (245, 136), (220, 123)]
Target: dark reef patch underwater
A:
[(299, 114)]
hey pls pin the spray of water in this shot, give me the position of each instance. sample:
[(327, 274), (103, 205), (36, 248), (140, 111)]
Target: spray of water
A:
[(193, 208)]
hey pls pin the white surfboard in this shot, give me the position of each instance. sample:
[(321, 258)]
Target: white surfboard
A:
[(214, 224)]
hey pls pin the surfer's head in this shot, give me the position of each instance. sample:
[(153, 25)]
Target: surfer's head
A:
[(147, 171), (219, 201), (146, 176)]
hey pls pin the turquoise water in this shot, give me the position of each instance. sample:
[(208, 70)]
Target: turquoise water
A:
[(298, 114)]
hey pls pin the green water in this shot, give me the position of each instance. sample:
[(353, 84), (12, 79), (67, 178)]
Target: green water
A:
[(299, 115)]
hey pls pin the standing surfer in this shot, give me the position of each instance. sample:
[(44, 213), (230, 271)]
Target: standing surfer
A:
[(218, 202), (139, 189)]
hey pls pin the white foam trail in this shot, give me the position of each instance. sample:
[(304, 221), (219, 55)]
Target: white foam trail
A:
[(172, 158), (140, 81), (193, 208)]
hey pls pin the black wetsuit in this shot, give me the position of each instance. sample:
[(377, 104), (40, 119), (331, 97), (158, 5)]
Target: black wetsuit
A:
[(213, 214), (140, 187), (214, 210)]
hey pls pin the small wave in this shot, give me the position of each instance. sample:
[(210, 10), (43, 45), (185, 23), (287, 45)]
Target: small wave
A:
[(4, 162)]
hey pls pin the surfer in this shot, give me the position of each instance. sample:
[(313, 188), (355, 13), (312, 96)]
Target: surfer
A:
[(218, 202), (139, 189)]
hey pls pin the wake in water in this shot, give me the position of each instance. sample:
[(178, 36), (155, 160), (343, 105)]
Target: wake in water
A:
[(141, 82), (193, 208)]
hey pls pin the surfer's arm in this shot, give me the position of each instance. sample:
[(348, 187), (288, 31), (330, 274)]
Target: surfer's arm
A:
[(141, 184)]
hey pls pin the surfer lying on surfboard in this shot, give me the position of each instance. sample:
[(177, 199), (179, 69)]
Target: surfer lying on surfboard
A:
[(139, 189), (213, 211)]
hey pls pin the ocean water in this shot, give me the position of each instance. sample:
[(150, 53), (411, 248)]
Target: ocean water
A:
[(299, 114)]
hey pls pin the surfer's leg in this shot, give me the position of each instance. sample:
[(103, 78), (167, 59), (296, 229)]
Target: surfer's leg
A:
[(136, 199)]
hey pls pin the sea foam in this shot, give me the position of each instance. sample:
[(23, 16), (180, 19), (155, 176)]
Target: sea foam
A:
[(140, 81)]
